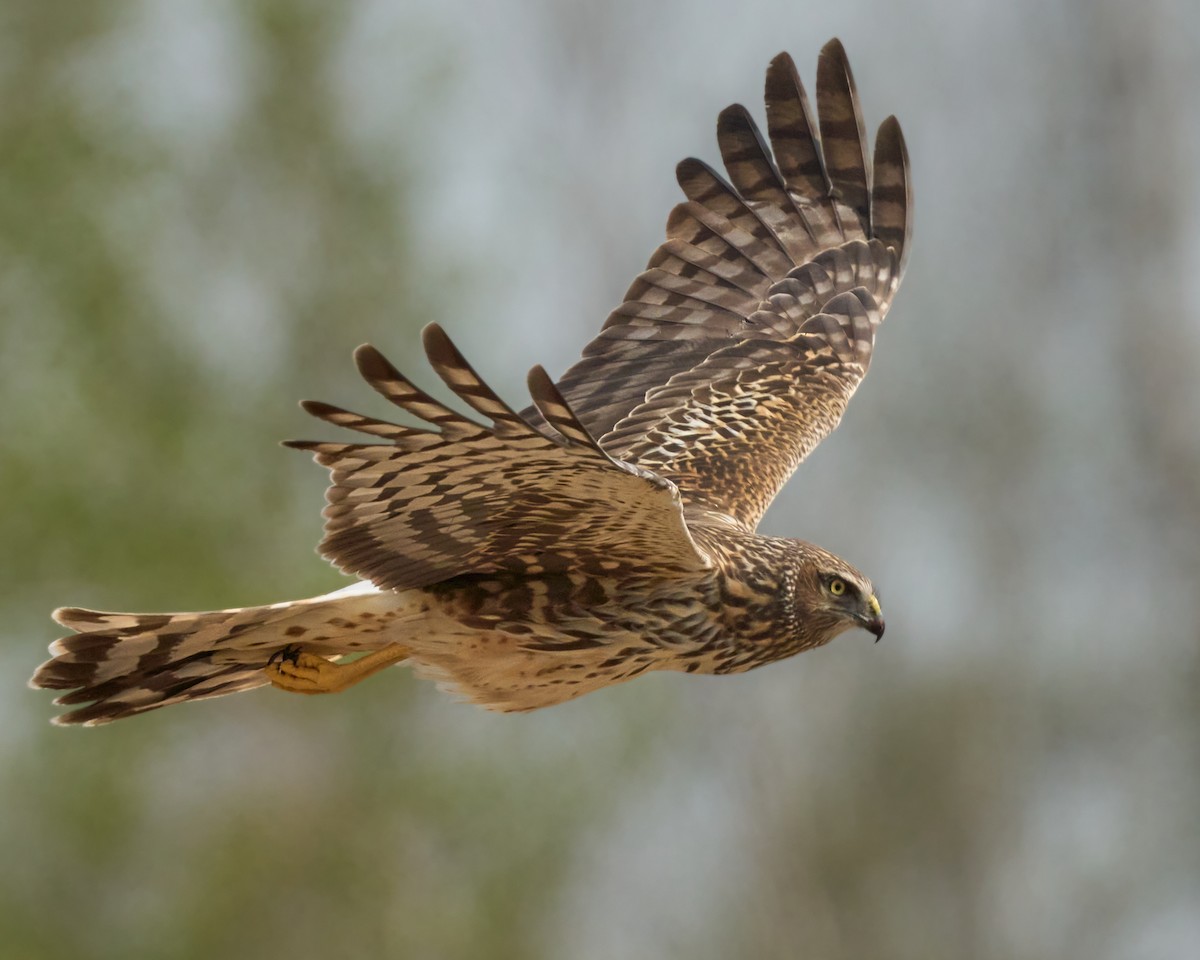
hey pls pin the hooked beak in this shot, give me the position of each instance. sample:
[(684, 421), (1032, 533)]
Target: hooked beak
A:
[(874, 623)]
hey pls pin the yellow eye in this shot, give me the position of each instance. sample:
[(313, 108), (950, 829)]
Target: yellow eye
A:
[(837, 587)]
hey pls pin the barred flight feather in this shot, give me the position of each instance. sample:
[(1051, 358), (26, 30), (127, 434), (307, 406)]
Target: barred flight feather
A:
[(801, 220)]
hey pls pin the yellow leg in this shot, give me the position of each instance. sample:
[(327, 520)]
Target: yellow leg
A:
[(294, 670)]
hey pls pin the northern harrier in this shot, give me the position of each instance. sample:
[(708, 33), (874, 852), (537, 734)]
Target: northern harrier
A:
[(524, 559)]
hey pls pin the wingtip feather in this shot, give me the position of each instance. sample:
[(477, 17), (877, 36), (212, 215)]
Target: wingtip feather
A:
[(445, 357), (316, 408), (372, 365), (833, 50), (843, 136), (782, 61), (438, 345), (891, 194)]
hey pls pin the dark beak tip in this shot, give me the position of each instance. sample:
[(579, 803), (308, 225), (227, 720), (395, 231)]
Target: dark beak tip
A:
[(876, 627)]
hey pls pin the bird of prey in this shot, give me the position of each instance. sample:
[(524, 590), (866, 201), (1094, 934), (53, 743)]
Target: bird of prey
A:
[(525, 558)]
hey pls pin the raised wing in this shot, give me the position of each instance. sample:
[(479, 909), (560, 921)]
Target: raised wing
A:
[(737, 349), (452, 497), (730, 431)]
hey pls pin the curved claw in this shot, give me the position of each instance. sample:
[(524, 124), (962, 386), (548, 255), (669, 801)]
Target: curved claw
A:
[(290, 653)]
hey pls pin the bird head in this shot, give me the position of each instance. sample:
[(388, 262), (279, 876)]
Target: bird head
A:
[(833, 597)]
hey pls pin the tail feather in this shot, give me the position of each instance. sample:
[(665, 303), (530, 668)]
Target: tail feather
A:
[(121, 664)]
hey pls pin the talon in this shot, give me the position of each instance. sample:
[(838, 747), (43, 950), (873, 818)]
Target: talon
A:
[(290, 653), (294, 669)]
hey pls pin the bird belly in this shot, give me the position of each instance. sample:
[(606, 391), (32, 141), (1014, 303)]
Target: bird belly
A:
[(512, 673)]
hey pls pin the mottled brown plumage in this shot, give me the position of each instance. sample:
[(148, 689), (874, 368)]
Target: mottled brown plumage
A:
[(527, 558)]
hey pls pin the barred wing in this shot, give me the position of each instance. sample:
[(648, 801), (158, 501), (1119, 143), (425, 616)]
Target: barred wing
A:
[(423, 504), (755, 260), (731, 431)]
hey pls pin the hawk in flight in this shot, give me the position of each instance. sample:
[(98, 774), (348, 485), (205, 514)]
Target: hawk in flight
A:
[(526, 558)]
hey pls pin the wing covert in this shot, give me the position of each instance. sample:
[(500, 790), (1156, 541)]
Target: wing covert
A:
[(454, 496), (726, 431)]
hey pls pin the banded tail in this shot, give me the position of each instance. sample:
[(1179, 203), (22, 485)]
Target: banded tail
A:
[(122, 664)]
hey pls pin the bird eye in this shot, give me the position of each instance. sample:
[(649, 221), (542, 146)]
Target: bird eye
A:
[(837, 586)]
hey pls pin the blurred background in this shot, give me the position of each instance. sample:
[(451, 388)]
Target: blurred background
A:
[(205, 205)]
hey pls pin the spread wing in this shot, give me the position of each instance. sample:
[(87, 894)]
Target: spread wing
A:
[(453, 496), (736, 351)]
